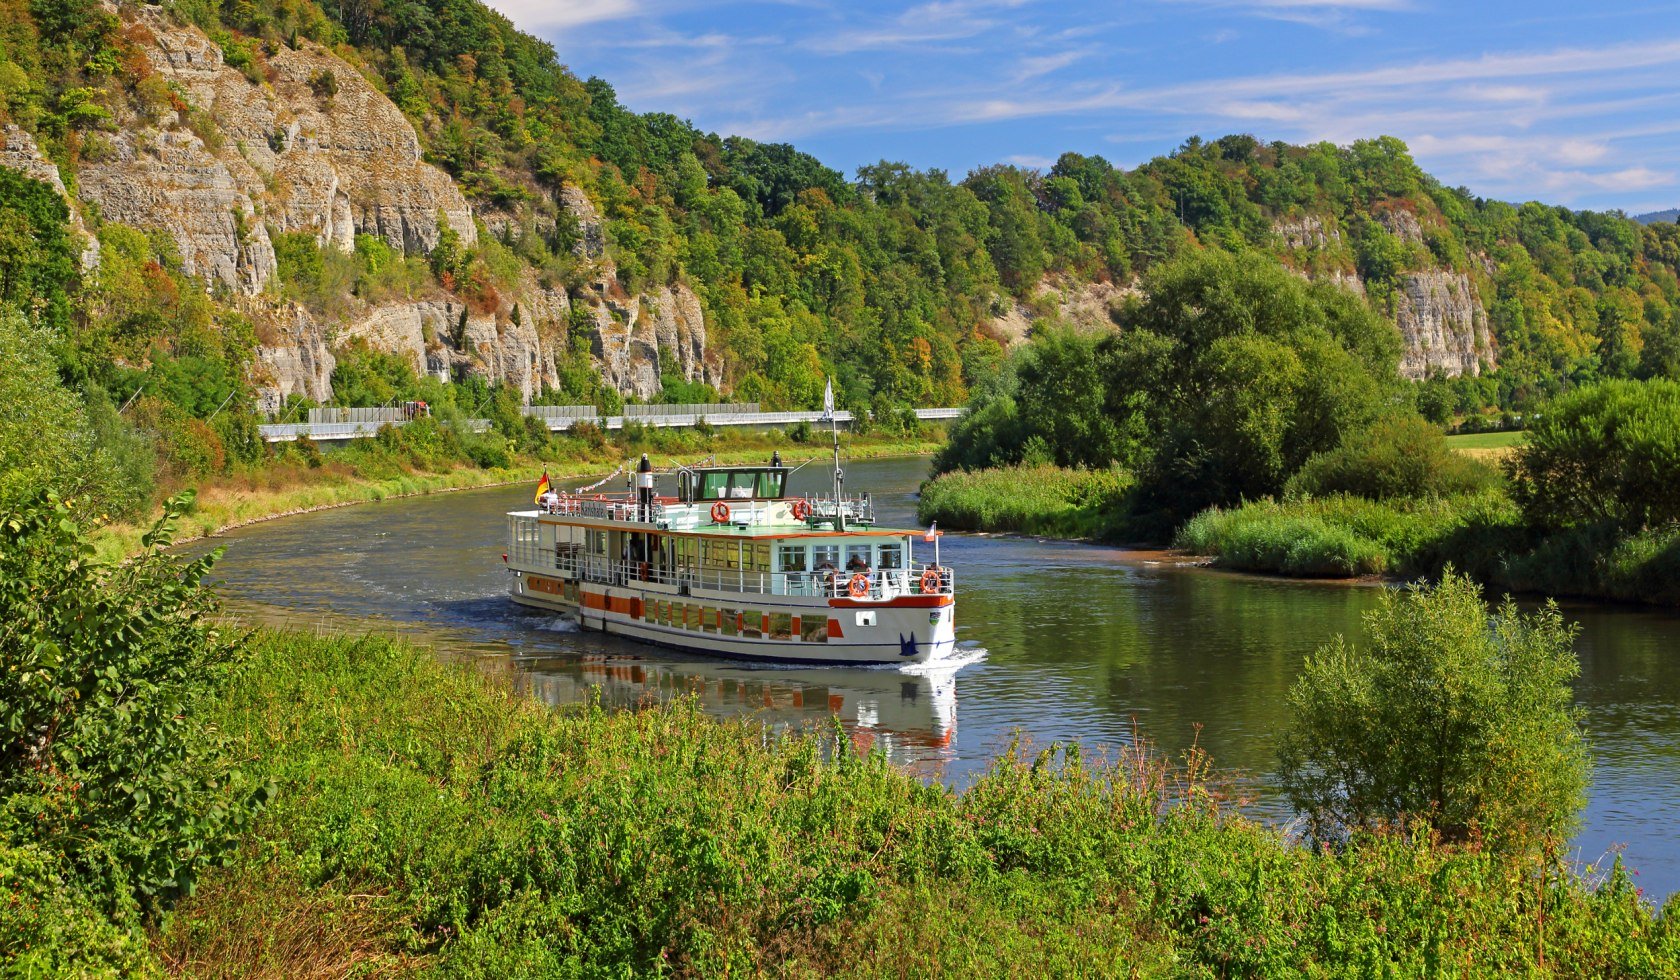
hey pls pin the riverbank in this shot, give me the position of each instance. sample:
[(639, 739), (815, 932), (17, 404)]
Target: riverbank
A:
[(427, 816), (285, 488), (1338, 536)]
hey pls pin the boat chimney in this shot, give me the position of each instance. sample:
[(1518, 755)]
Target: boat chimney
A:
[(644, 488), (776, 459)]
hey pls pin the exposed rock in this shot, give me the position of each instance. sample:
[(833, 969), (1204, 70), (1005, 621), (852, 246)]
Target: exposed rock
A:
[(19, 152), (169, 179), (1307, 231), (1402, 225), (592, 236), (1083, 305), (294, 357), (679, 327), (1442, 325), (436, 340)]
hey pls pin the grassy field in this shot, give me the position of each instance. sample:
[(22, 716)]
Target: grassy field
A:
[(1490, 447), (430, 820)]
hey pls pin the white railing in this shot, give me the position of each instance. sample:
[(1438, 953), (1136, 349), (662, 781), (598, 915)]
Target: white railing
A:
[(877, 584), (689, 409)]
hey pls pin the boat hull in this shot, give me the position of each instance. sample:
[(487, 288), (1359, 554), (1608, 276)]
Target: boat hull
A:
[(908, 629)]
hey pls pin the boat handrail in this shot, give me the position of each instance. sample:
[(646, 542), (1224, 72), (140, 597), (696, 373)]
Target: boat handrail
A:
[(882, 584)]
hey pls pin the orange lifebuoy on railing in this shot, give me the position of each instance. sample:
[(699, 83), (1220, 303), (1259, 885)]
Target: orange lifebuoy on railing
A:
[(930, 581), (720, 512), (801, 509), (859, 586)]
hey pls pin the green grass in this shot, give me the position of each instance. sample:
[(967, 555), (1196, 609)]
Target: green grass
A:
[(1045, 500), (1487, 440), (431, 820)]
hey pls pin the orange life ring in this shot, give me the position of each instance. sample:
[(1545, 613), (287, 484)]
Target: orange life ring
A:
[(930, 581), (720, 512), (859, 586), (801, 509)]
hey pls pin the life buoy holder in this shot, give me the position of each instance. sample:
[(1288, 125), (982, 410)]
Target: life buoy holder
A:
[(720, 513), (801, 509), (858, 586), (930, 581)]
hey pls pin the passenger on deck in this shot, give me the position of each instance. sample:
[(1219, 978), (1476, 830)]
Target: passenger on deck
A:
[(550, 502), (857, 564)]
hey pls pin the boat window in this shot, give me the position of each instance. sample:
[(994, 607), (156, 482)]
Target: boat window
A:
[(741, 485), (792, 557), (857, 552), (813, 629), (757, 556), (731, 621), (781, 626), (892, 555), (825, 554), (714, 485), (693, 617), (770, 483), (752, 624)]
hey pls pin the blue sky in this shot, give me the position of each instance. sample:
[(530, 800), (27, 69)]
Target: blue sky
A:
[(1574, 103)]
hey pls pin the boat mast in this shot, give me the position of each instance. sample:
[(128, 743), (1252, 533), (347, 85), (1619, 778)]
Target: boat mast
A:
[(839, 474)]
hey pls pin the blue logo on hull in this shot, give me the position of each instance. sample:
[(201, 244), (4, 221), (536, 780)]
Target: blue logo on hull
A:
[(907, 648)]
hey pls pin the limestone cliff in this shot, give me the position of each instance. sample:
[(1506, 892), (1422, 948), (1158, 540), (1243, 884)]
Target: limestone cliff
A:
[(1082, 305), (1442, 322), (312, 145)]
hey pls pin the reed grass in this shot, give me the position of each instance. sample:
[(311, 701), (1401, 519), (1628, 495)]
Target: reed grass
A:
[(1046, 500)]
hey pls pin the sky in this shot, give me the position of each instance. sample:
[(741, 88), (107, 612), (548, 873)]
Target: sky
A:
[(1562, 101)]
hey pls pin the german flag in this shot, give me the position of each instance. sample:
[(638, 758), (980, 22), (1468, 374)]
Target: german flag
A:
[(542, 487)]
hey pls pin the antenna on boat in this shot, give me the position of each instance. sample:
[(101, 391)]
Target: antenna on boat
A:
[(839, 474)]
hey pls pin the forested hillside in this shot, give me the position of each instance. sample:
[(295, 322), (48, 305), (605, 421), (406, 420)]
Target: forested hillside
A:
[(233, 209)]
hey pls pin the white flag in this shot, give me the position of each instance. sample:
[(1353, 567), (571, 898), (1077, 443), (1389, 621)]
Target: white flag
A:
[(932, 532), (828, 401)]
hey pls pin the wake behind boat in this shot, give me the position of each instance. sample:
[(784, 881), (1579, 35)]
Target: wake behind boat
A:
[(725, 563)]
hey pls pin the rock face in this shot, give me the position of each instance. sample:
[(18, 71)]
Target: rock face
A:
[(1082, 305), (315, 147), (1442, 324)]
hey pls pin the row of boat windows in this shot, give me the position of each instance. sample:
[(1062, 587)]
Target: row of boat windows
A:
[(726, 621), (690, 554)]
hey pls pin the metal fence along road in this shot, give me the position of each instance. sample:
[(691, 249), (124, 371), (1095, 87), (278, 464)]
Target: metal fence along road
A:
[(559, 418)]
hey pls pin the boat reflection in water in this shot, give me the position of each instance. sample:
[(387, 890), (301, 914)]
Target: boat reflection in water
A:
[(909, 713)]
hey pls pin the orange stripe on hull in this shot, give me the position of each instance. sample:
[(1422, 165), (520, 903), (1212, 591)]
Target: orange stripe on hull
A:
[(902, 602)]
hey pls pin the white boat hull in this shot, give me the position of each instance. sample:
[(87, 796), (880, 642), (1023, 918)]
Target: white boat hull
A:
[(908, 629)]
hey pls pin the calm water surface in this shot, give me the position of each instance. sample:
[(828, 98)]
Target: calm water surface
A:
[(1061, 641)]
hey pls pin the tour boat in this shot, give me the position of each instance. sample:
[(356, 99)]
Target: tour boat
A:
[(728, 564)]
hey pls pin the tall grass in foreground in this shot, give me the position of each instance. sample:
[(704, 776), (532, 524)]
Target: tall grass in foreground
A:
[(1047, 500), (429, 818)]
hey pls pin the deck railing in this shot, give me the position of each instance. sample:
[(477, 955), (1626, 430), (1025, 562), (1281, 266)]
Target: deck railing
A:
[(878, 584)]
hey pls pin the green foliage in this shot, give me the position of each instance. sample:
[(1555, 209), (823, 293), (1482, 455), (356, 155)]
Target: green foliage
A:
[(37, 260), (1449, 718), (487, 835), (105, 757), (1608, 454), (1397, 457), (1030, 499)]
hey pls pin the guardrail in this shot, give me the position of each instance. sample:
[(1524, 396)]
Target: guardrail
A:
[(876, 584), (560, 418)]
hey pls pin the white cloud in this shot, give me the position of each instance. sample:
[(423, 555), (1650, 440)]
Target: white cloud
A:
[(1031, 162), (538, 15)]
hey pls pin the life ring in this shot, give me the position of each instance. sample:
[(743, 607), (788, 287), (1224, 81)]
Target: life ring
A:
[(858, 586), (930, 581), (720, 513), (801, 509)]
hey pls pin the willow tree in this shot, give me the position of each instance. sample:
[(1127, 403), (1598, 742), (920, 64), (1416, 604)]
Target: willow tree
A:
[(1452, 718)]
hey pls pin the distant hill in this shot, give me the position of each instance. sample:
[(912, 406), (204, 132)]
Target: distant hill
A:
[(1671, 214)]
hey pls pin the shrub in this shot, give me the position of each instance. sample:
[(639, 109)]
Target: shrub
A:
[(1027, 499), (1605, 454), (1449, 718), (1397, 457), (105, 759)]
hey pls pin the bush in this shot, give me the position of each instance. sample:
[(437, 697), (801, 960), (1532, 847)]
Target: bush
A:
[(105, 759), (1450, 718), (1606, 454), (1395, 458), (1289, 544)]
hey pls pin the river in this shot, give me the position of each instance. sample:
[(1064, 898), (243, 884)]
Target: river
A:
[(1058, 640)]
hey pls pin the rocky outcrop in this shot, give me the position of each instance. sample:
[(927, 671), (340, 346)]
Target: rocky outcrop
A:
[(592, 235), (1401, 224), (169, 179), (638, 338), (19, 152), (294, 357), (1307, 231), (1442, 325), (1082, 305)]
